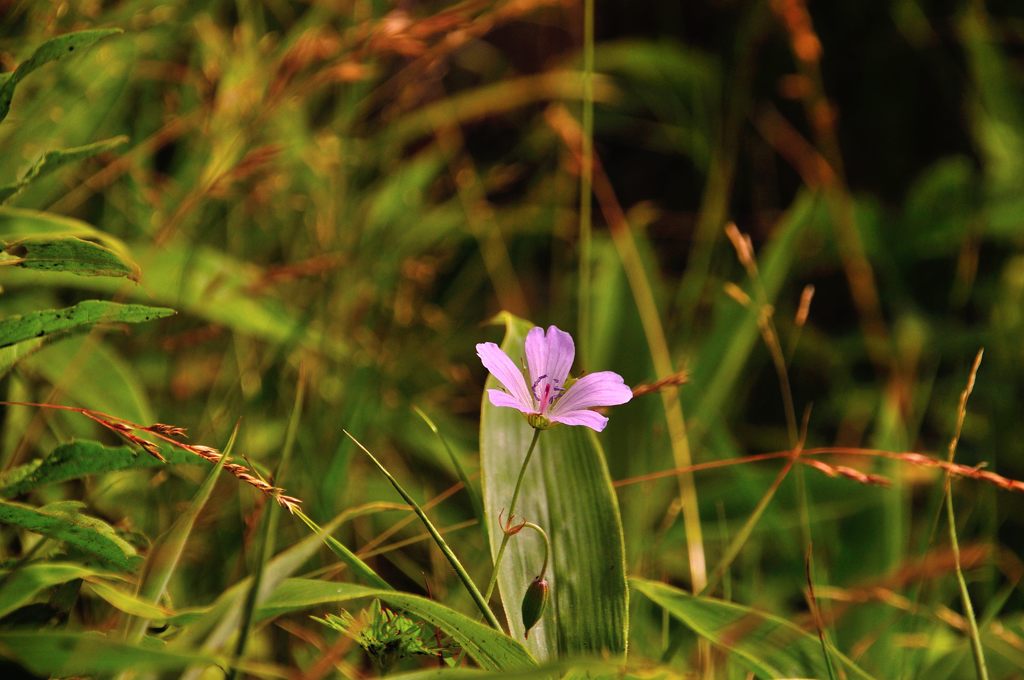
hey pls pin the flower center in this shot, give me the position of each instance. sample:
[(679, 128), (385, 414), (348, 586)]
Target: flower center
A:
[(546, 392)]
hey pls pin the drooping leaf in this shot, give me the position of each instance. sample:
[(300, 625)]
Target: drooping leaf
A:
[(768, 646), (490, 648), (80, 458), (56, 159), (51, 50), (64, 522), (16, 329), (67, 254), (19, 586), (568, 491), (18, 223), (65, 654)]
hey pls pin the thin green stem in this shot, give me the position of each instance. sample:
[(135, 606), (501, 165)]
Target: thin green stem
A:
[(460, 571), (547, 546), (977, 652), (511, 512)]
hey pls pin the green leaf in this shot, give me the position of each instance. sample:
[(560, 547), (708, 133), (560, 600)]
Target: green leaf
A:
[(18, 223), (63, 522), (81, 458), (567, 490), (67, 254), (770, 647), (19, 587), (14, 353), (492, 649), (16, 329), (51, 50), (65, 654), (56, 159), (166, 552)]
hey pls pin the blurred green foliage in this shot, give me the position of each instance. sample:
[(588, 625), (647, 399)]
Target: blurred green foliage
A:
[(343, 193)]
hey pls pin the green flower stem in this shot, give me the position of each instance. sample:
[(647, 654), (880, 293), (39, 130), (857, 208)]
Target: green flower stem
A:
[(547, 546), (511, 512), (460, 571)]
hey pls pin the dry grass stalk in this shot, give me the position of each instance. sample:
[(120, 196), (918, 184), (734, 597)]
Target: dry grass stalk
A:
[(674, 380), (135, 434), (804, 309)]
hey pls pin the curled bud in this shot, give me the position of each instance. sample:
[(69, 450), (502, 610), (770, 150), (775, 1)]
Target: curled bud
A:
[(534, 602)]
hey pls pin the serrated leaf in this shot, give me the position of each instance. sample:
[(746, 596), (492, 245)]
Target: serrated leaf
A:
[(51, 50), (568, 491), (490, 648), (56, 159), (769, 646), (81, 458), (64, 522), (68, 254), (17, 329)]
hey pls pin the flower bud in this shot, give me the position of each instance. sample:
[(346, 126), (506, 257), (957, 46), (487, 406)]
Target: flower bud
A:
[(534, 602)]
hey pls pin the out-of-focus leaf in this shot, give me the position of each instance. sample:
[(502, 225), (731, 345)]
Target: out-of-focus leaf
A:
[(490, 648), (89, 372), (63, 522), (64, 654), (67, 254), (81, 458), (203, 282), (56, 159), (568, 491), (51, 50), (770, 647), (128, 602), (20, 586), (16, 329), (18, 223), (12, 354)]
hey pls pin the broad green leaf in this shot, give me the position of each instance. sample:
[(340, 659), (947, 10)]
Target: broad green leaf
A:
[(128, 602), (490, 648), (20, 586), (56, 159), (65, 654), (16, 329), (51, 50), (67, 254), (63, 522), (80, 458), (567, 491), (769, 646)]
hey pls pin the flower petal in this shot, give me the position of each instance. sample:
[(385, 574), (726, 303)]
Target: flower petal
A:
[(592, 419), (561, 352), (504, 369), (549, 354), (604, 388), (536, 354), (499, 398)]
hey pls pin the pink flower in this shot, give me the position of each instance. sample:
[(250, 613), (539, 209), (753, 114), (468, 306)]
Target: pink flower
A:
[(546, 399)]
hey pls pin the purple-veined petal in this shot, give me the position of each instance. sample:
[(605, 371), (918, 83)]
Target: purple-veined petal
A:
[(536, 354), (504, 369), (604, 388), (561, 352), (592, 419), (549, 354), (499, 398)]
